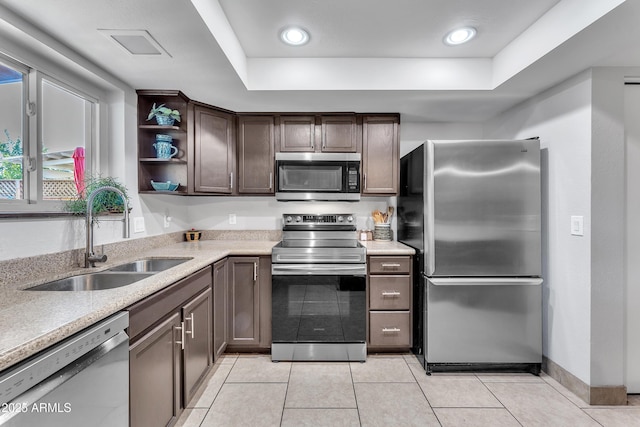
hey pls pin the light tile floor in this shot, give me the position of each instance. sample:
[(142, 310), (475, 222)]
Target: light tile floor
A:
[(387, 390)]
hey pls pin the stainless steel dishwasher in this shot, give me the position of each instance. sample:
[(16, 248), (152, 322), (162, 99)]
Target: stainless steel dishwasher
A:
[(81, 381)]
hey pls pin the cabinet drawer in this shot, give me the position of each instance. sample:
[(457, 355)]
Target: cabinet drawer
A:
[(389, 265), (390, 328), (145, 313), (389, 292)]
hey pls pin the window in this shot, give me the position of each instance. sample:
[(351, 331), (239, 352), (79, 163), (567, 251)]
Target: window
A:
[(12, 129), (48, 136)]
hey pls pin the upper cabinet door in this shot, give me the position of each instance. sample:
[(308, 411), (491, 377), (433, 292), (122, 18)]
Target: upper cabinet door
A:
[(339, 134), (380, 155), (256, 147), (297, 133), (214, 146)]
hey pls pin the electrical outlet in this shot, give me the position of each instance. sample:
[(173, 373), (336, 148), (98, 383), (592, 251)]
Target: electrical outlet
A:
[(138, 224), (167, 221), (232, 219)]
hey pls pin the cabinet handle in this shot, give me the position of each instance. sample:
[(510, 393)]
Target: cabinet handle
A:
[(390, 265), (231, 180), (181, 342), (365, 180), (390, 293), (270, 180), (192, 332), (255, 272), (390, 329)]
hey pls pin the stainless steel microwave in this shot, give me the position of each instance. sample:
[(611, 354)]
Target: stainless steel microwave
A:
[(318, 176)]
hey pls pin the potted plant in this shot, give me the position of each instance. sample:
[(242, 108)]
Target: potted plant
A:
[(104, 202), (164, 115)]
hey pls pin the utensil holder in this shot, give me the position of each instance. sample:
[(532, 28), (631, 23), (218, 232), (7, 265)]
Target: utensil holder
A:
[(382, 231)]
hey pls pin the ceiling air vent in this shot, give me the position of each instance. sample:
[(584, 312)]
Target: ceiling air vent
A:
[(136, 42)]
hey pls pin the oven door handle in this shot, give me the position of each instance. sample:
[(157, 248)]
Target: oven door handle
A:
[(319, 269)]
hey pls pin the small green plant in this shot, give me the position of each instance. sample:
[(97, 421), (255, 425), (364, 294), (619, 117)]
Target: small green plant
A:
[(161, 110), (105, 202)]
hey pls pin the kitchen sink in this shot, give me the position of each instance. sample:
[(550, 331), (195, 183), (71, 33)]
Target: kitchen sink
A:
[(150, 265), (92, 281)]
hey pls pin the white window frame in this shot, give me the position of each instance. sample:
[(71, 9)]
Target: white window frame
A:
[(11, 204), (32, 139)]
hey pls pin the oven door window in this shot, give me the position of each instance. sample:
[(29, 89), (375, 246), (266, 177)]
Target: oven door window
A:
[(306, 177), (327, 309)]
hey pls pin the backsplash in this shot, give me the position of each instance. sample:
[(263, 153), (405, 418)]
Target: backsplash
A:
[(21, 270)]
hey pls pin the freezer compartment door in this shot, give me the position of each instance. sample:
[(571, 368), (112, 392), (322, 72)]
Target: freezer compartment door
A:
[(488, 320)]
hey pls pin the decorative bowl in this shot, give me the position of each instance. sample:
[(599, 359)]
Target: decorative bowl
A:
[(165, 186)]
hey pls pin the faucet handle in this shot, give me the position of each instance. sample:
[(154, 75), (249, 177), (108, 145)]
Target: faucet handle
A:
[(93, 258)]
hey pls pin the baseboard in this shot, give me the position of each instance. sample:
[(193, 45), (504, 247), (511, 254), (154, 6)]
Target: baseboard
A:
[(607, 395)]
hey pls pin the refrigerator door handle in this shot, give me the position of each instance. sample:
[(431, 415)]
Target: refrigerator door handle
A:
[(486, 281)]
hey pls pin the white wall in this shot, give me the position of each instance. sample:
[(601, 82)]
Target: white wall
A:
[(414, 134), (632, 268), (581, 126), (561, 117), (607, 227)]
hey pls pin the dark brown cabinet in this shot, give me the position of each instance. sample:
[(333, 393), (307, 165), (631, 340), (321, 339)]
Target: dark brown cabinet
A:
[(220, 312), (170, 349), (389, 300), (249, 302), (256, 148), (154, 375), (339, 134), (297, 133), (196, 316), (327, 133), (244, 301), (150, 167), (214, 150), (380, 155)]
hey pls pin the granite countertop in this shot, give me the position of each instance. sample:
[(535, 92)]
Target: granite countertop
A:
[(381, 247), (34, 320)]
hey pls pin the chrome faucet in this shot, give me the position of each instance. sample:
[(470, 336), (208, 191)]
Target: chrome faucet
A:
[(90, 258)]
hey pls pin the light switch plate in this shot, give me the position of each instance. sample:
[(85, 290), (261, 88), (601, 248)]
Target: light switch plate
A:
[(577, 226), (138, 224)]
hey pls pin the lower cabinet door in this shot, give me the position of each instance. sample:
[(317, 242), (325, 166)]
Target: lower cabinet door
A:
[(198, 335), (154, 375), (390, 328)]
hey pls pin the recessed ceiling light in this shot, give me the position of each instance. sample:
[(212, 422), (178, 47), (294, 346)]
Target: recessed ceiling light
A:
[(460, 35), (294, 36)]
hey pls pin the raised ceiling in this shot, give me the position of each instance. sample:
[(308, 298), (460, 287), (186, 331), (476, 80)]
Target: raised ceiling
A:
[(364, 55)]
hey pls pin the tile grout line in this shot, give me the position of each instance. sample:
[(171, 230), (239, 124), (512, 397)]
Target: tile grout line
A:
[(216, 396), (355, 396), (498, 399), (422, 391), (286, 391)]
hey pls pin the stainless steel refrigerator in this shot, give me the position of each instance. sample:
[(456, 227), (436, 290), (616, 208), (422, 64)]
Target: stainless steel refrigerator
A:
[(472, 211)]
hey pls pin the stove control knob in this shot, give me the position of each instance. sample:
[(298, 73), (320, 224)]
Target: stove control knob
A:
[(350, 218), (298, 218), (340, 218), (288, 219)]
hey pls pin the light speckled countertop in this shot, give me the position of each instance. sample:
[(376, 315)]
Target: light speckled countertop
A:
[(32, 321), (378, 247)]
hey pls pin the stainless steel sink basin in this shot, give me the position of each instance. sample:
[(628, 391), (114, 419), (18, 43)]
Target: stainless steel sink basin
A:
[(150, 265), (92, 282)]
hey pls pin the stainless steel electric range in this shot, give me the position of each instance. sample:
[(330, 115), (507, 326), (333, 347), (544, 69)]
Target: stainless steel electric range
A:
[(319, 290)]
